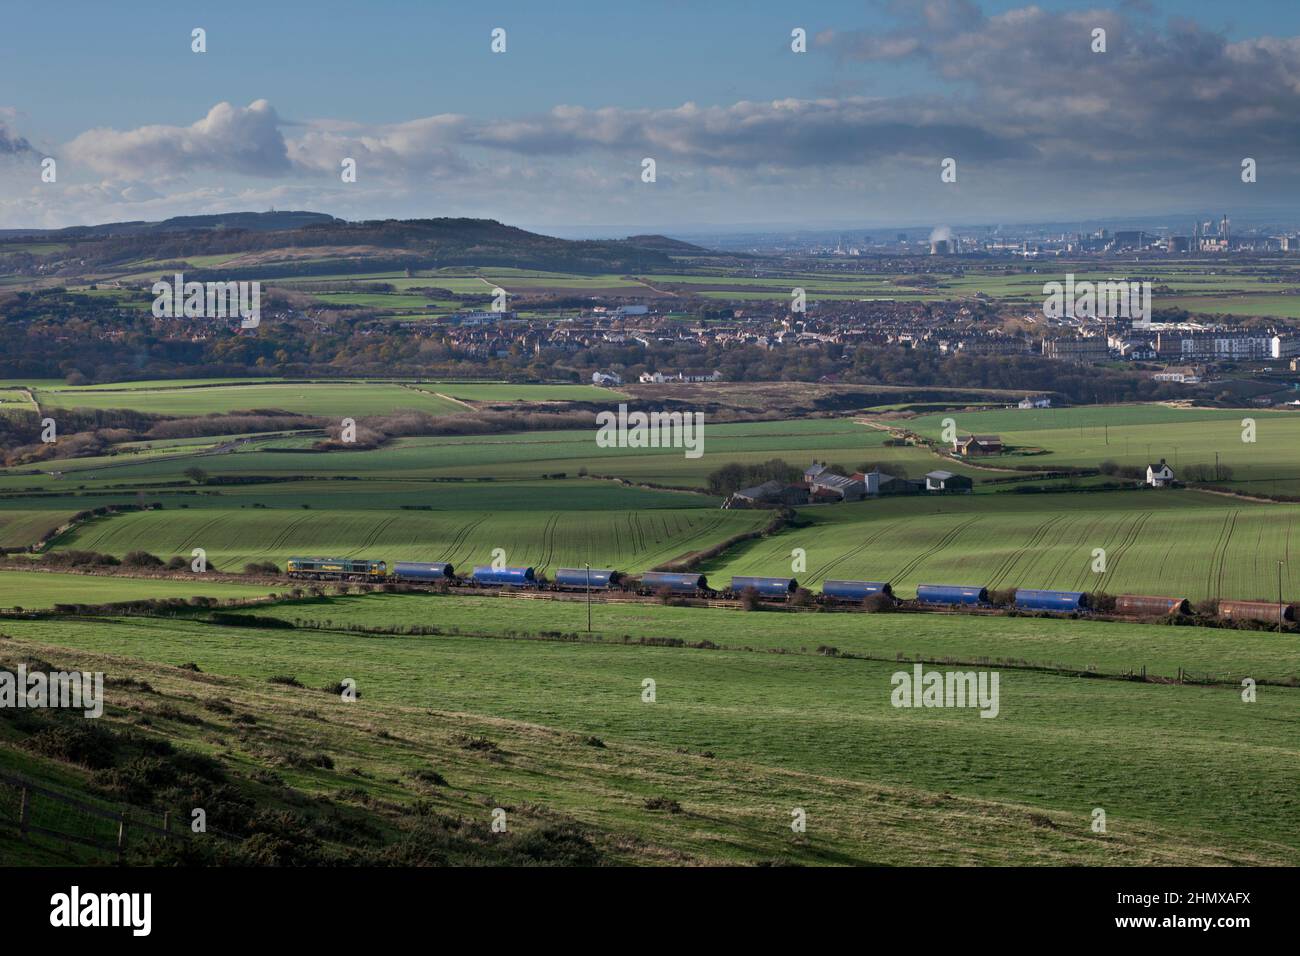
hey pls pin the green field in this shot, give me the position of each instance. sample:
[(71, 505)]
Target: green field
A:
[(543, 539), (1062, 744), (333, 400), (532, 454), (1100, 647), (343, 398), (1179, 543), (43, 589), (21, 527), (1135, 435)]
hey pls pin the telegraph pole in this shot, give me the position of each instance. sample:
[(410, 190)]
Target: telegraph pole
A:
[(589, 595)]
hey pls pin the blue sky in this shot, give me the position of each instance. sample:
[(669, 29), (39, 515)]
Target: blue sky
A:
[(552, 132)]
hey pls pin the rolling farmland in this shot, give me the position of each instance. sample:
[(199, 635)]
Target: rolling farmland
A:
[(327, 398), (1186, 543), (543, 539), (809, 714), (532, 454), (334, 399), (1135, 435), (1111, 648), (44, 589)]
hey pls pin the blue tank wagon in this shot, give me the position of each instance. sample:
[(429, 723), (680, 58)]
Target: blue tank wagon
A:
[(855, 590), (417, 571), (582, 578), (652, 581), (951, 594), (766, 587), (487, 576), (1031, 600)]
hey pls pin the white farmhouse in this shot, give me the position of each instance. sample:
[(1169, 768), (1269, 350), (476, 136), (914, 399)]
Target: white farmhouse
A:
[(1161, 475)]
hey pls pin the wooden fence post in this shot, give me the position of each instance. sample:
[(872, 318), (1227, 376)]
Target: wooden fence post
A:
[(24, 813), (121, 836)]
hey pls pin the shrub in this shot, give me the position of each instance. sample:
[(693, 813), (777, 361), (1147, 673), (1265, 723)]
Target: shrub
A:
[(663, 803), (141, 559), (1101, 601), (877, 602), (430, 777)]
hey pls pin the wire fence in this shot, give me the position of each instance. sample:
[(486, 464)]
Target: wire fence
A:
[(38, 813)]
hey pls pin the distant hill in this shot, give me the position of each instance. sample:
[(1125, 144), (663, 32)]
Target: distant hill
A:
[(253, 221), (306, 243)]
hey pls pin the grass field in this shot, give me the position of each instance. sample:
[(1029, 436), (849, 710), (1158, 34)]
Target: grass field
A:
[(1136, 435), (1180, 543), (532, 454), (543, 539), (43, 589), (342, 398), (334, 399), (21, 527), (1062, 744), (1100, 647), (734, 811)]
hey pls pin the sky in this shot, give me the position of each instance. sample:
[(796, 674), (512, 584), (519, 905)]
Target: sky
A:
[(744, 132)]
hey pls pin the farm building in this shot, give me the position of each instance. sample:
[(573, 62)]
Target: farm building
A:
[(879, 483), (830, 485), (606, 378), (1035, 401), (978, 445), (1158, 476), (769, 493), (947, 481), (813, 471)]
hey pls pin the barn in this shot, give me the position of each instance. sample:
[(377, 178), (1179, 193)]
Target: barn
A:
[(978, 445), (947, 481)]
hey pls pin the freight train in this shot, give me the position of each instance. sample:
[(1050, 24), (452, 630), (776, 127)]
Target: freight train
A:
[(844, 593)]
